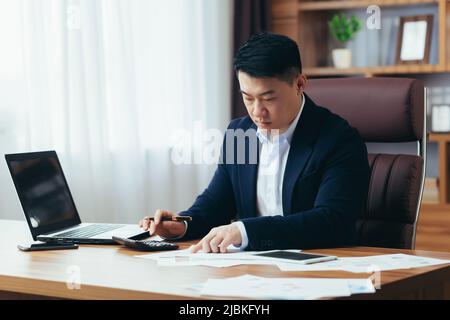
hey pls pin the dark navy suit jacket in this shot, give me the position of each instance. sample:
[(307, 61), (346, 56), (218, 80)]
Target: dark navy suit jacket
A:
[(324, 188)]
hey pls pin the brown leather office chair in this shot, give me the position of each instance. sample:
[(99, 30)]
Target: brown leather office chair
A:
[(386, 110)]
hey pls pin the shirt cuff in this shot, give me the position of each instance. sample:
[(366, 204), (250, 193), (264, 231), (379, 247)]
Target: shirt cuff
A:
[(179, 237), (244, 242)]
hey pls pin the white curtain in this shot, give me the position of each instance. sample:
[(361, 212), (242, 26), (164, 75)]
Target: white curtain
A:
[(106, 83)]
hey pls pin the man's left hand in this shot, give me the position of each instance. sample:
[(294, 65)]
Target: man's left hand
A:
[(218, 239)]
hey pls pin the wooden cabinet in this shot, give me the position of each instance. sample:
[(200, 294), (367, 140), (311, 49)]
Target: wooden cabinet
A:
[(443, 188), (306, 22)]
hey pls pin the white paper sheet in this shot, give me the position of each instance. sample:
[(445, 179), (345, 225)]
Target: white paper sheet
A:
[(254, 287), (186, 258), (368, 264)]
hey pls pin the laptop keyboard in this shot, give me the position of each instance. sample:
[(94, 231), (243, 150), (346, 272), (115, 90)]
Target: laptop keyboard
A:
[(89, 231)]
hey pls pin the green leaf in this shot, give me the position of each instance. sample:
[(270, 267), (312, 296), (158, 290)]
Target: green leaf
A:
[(343, 28)]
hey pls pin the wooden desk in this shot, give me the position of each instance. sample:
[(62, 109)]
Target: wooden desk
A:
[(111, 272)]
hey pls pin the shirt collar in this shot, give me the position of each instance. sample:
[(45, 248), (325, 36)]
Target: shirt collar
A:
[(287, 135)]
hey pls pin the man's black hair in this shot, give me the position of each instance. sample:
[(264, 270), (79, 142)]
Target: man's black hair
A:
[(269, 55)]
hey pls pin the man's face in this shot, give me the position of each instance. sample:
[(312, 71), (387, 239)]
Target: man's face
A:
[(270, 102)]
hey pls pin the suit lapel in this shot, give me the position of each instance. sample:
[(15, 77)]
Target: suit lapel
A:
[(248, 173), (299, 152)]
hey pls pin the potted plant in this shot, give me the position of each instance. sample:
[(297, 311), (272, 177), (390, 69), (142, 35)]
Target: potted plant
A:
[(343, 29)]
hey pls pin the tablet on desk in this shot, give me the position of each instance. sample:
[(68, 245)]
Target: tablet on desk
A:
[(306, 258)]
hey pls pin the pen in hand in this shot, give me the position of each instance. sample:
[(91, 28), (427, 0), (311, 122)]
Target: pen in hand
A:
[(166, 230), (173, 218)]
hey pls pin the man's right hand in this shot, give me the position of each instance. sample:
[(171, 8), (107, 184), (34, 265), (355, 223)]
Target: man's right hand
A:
[(165, 229)]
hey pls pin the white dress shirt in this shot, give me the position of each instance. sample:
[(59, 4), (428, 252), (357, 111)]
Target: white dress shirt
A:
[(272, 163)]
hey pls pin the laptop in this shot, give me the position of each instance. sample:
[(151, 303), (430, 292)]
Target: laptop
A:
[(49, 207)]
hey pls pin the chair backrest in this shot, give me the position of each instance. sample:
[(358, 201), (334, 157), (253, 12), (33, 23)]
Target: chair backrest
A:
[(384, 110)]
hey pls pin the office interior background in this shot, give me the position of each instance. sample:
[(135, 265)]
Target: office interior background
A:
[(107, 84)]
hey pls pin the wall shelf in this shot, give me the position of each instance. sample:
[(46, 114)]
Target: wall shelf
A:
[(352, 4), (375, 71)]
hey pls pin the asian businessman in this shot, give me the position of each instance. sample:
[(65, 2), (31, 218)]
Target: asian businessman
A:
[(309, 181)]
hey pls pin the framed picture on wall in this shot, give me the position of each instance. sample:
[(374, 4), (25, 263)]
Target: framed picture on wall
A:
[(414, 39)]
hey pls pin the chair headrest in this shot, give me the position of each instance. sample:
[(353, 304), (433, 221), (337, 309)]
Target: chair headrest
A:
[(381, 109)]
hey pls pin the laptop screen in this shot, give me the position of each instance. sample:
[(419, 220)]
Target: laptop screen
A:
[(43, 191)]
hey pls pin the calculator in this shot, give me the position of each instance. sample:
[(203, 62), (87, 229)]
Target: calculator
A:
[(146, 245)]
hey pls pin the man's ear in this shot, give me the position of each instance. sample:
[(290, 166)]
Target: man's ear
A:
[(300, 83)]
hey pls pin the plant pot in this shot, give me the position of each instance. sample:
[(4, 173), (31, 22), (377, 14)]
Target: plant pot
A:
[(342, 58)]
